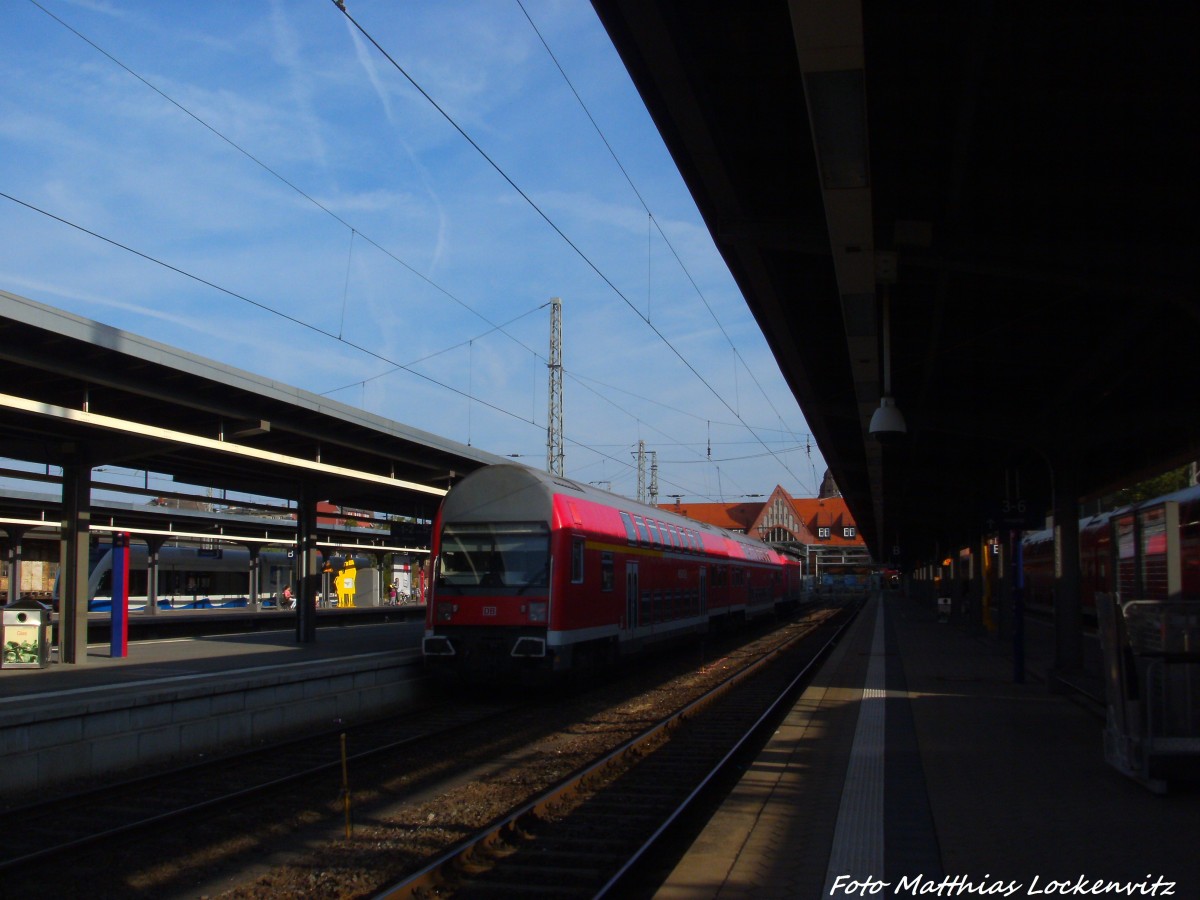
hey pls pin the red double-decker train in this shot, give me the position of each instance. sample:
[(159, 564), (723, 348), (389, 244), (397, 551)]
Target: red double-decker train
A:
[(1146, 551), (533, 571)]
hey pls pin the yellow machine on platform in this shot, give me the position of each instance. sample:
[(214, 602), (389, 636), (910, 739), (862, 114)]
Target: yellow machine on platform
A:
[(345, 584)]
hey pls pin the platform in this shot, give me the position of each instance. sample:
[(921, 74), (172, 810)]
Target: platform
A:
[(170, 699), (915, 766), (210, 653)]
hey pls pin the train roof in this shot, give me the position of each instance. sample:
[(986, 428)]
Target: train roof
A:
[(515, 492), (506, 492), (1187, 495), (1183, 495)]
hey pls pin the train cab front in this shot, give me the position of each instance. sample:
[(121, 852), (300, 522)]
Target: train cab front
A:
[(480, 654), (490, 606)]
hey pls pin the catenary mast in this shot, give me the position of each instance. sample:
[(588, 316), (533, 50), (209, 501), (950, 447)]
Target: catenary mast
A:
[(641, 472), (554, 421), (652, 495)]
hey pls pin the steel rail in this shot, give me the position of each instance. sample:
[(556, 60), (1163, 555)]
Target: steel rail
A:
[(435, 875), (333, 763), (768, 716)]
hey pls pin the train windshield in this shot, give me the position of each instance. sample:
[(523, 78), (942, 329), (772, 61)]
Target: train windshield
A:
[(508, 555)]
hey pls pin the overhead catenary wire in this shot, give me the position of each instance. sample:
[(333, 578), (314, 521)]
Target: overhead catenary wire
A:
[(352, 229), (266, 307), (545, 217), (269, 309), (354, 236), (650, 216), (271, 171), (428, 356), (300, 322), (354, 232)]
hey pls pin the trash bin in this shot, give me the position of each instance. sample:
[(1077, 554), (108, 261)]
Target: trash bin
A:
[(26, 635), (944, 607)]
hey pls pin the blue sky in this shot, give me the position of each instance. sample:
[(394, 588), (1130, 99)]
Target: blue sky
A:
[(340, 233)]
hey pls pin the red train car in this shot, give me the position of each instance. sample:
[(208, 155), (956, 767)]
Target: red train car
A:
[(1148, 551), (536, 571)]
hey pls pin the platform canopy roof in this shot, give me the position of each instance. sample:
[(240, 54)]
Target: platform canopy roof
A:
[(1012, 185), (74, 391)]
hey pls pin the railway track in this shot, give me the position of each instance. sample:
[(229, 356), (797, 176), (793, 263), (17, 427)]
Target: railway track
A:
[(264, 826), (608, 829), (113, 813)]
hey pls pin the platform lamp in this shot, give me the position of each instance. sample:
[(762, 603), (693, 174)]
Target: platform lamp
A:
[(887, 422)]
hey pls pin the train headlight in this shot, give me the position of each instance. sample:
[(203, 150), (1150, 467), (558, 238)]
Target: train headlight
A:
[(537, 611), (446, 611)]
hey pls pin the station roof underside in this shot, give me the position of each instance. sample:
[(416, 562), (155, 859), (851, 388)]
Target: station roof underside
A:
[(73, 391), (1013, 181)]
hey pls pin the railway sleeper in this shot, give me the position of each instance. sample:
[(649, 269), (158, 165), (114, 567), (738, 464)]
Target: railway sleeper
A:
[(522, 890), (618, 808), (574, 858)]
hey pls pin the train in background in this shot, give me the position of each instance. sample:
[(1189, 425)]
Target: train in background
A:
[(196, 577), (1147, 550), (536, 572)]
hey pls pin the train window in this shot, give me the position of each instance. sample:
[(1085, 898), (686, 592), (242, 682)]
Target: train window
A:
[(655, 537), (577, 561), (673, 535), (508, 555), (643, 532), (630, 532), (607, 580), (197, 583)]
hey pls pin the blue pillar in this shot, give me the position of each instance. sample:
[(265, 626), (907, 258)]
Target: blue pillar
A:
[(1018, 595), (120, 595)]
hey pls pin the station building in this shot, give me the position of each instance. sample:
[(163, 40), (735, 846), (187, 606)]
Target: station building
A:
[(819, 530)]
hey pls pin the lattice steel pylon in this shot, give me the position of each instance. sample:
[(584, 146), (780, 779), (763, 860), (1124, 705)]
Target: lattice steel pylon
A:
[(554, 420), (652, 497), (641, 472)]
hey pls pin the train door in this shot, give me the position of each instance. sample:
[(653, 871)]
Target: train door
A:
[(631, 595), (703, 590)]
